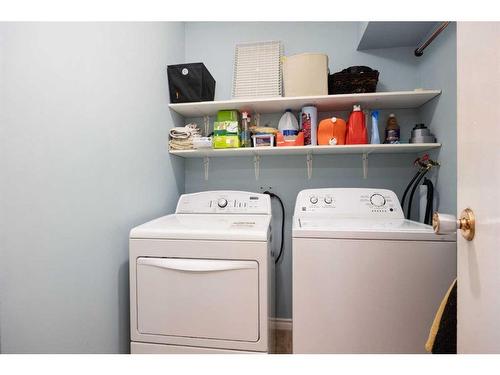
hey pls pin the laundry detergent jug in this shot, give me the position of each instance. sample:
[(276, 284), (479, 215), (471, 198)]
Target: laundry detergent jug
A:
[(356, 127), (331, 131)]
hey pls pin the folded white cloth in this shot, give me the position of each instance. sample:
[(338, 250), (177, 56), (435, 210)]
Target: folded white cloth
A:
[(181, 144), (181, 138), (183, 132)]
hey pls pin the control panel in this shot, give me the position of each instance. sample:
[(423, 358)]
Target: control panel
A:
[(349, 202), (224, 202)]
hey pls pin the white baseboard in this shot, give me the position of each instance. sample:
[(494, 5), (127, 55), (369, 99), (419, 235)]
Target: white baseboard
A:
[(281, 324)]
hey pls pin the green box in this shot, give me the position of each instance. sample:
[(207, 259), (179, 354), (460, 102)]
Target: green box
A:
[(226, 134), (226, 141), (228, 115)]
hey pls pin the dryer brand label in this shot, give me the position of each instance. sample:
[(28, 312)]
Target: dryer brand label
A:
[(244, 223)]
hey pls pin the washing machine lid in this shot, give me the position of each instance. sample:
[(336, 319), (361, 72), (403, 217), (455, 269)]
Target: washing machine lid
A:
[(206, 227), (387, 229)]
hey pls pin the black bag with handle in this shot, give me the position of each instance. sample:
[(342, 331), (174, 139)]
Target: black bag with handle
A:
[(189, 83)]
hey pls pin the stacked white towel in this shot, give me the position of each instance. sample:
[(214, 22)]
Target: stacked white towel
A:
[(181, 138)]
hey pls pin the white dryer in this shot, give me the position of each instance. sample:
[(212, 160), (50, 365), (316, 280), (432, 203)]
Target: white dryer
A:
[(201, 280), (365, 280)]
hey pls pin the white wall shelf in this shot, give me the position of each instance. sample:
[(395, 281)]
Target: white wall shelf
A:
[(380, 34), (404, 148), (325, 103)]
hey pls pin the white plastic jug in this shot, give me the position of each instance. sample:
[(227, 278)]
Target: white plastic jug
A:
[(288, 124)]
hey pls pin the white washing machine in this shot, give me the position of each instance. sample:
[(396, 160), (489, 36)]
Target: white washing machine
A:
[(202, 279), (365, 280)]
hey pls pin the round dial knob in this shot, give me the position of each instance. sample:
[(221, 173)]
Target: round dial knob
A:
[(313, 199), (328, 200), (222, 203), (377, 200)]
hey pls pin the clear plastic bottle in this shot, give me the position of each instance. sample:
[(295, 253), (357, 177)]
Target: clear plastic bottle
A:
[(375, 138), (245, 136)]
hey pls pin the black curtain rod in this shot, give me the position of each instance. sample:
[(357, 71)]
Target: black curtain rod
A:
[(420, 50)]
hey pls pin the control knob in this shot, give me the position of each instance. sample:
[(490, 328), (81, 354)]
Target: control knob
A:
[(313, 199), (377, 200), (328, 200), (222, 202)]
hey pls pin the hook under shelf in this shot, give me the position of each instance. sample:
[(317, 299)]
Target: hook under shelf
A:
[(206, 163), (256, 166), (309, 165), (206, 124), (365, 165)]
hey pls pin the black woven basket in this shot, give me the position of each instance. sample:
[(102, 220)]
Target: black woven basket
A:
[(353, 80)]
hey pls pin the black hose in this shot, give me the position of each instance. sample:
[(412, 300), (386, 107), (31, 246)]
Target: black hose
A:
[(408, 213), (430, 201), (408, 188), (272, 195)]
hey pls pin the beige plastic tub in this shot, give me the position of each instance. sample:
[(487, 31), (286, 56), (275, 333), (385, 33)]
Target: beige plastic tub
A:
[(305, 74)]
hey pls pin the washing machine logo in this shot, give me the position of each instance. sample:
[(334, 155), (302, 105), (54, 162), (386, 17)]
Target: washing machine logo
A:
[(244, 223)]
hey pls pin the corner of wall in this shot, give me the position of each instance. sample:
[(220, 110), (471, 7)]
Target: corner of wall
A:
[(437, 69)]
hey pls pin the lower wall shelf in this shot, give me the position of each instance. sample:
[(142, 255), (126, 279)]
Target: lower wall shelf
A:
[(403, 148)]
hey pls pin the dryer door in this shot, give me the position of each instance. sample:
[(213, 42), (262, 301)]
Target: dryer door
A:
[(198, 298)]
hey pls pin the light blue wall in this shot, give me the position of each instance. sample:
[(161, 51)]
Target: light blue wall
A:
[(213, 44), (83, 132), (438, 70)]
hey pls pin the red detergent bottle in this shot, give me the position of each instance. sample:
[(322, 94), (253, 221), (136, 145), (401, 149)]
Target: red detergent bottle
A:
[(356, 127)]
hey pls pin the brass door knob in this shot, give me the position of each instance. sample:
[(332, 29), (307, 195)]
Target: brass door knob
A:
[(444, 224)]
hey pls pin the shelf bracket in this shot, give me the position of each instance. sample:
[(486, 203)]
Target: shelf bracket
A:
[(365, 165), (256, 166), (257, 119), (206, 163), (309, 165), (206, 125)]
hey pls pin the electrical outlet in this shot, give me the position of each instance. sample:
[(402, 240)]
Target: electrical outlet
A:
[(265, 188)]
